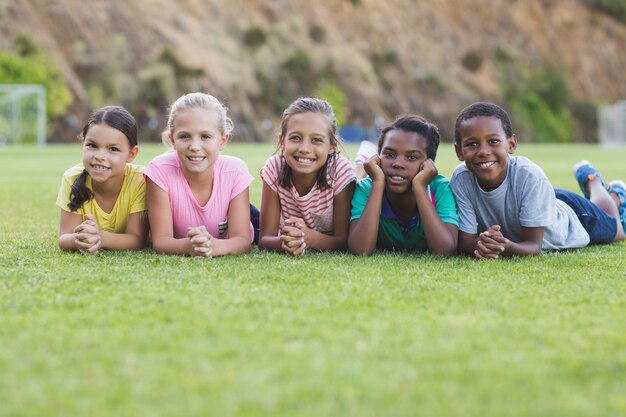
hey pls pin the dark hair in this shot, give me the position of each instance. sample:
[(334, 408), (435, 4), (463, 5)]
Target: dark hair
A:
[(417, 124), (310, 105), (116, 117), (482, 109)]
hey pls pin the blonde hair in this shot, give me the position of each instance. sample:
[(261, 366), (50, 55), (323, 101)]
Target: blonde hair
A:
[(197, 100)]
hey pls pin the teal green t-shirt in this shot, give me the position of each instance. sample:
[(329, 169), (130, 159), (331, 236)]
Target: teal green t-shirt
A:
[(393, 233)]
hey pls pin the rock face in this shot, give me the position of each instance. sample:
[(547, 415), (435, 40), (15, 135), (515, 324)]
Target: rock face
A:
[(386, 57)]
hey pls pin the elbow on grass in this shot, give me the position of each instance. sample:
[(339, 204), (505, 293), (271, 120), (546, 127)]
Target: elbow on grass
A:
[(359, 251), (444, 252)]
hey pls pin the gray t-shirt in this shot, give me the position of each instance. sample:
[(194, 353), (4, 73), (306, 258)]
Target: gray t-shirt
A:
[(525, 199)]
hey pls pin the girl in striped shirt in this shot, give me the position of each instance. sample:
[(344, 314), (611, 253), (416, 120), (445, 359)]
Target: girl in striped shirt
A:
[(308, 188)]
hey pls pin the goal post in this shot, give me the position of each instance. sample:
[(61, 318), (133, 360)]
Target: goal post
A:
[(22, 114), (612, 125)]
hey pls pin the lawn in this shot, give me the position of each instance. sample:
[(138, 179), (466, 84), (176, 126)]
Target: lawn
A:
[(128, 334)]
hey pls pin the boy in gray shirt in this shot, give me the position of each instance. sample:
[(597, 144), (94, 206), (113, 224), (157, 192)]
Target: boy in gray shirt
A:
[(507, 205)]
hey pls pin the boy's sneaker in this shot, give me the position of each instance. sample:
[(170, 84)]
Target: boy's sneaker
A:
[(584, 171), (619, 188), (365, 152)]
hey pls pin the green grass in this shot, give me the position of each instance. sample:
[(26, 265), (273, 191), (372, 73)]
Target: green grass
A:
[(129, 334)]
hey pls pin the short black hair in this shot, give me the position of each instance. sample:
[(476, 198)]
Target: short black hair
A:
[(417, 124), (482, 109)]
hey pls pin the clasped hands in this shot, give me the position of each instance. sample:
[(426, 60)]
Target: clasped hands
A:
[(293, 236), (201, 242), (491, 243), (87, 236)]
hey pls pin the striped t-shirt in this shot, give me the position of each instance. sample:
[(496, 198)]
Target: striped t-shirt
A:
[(316, 207)]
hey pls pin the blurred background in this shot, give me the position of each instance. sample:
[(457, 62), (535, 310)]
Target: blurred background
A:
[(550, 63)]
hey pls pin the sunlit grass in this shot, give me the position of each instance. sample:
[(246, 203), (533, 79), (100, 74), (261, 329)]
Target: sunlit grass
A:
[(265, 334)]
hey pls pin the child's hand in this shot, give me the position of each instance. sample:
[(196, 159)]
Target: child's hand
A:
[(88, 239), (427, 173), (491, 243), (373, 169), (293, 236), (201, 242)]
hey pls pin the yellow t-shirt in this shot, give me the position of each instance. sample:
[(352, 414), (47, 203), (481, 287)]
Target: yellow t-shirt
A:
[(132, 198)]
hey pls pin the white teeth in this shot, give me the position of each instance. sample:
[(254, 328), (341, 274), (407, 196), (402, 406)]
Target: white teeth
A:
[(486, 164), (396, 177), (196, 158), (305, 160), (99, 167)]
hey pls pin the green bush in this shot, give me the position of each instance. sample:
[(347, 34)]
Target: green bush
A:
[(472, 61), (383, 58), (336, 97), (254, 37), (317, 33), (539, 101), (613, 8), (37, 69), (25, 46)]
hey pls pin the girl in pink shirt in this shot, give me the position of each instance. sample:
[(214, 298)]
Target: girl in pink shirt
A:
[(307, 189), (198, 200)]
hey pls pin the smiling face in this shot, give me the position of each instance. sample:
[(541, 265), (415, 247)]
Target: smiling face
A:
[(401, 156), (306, 143), (105, 153), (197, 139), (484, 147)]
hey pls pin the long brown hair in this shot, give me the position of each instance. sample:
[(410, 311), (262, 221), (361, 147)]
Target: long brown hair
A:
[(310, 105), (116, 117)]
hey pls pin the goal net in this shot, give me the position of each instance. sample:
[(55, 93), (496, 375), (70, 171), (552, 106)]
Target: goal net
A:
[(612, 125), (22, 114)]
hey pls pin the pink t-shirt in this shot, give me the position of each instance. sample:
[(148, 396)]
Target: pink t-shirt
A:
[(315, 208), (231, 178)]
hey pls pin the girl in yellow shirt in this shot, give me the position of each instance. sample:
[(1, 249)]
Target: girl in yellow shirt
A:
[(102, 200)]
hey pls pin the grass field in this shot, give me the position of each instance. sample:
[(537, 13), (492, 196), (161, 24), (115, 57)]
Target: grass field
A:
[(140, 334)]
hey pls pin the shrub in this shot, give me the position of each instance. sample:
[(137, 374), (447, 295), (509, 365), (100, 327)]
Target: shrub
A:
[(317, 33), (25, 46), (299, 68), (613, 8), (585, 114), (502, 55), (472, 61), (336, 97), (382, 58), (539, 100), (37, 69), (254, 37)]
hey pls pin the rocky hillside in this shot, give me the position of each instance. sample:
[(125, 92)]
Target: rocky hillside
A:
[(382, 57)]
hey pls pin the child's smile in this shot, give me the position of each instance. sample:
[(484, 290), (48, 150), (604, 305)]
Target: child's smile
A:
[(485, 149), (197, 139), (306, 144), (106, 152)]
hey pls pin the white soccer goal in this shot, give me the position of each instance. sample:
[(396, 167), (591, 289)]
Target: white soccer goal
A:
[(612, 125), (22, 114)]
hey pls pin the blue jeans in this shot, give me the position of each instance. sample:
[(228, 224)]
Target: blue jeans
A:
[(601, 227)]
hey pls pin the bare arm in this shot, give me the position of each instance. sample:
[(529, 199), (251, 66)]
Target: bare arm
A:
[(67, 236), (364, 231), (238, 240), (342, 203), (270, 220), (531, 244), (491, 244), (441, 237), (161, 225), (133, 239)]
